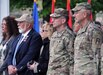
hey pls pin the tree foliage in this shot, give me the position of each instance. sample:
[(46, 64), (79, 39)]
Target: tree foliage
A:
[(20, 4), (97, 5)]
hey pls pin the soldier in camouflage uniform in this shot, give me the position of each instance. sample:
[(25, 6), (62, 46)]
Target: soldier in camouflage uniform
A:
[(99, 18), (87, 43), (61, 45)]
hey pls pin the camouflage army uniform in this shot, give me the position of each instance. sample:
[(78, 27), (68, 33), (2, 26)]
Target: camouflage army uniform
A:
[(102, 59), (61, 53), (87, 46), (99, 18)]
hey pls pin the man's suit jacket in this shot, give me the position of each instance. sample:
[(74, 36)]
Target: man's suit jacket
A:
[(28, 50)]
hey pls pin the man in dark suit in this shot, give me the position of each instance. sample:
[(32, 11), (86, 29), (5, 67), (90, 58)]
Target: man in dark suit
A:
[(25, 48)]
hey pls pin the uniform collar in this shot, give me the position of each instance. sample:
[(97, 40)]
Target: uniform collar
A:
[(59, 34), (82, 30)]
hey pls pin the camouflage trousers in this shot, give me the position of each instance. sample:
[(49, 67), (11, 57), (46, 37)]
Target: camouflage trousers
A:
[(85, 70), (58, 71)]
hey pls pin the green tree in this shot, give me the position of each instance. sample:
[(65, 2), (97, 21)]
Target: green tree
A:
[(97, 5), (20, 4)]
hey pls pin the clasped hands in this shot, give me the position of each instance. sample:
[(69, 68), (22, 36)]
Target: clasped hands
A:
[(12, 70)]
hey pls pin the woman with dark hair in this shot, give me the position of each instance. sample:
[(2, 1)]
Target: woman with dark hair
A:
[(9, 32)]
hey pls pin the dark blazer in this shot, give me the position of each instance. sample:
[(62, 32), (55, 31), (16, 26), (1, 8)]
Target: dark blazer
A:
[(44, 58), (28, 50)]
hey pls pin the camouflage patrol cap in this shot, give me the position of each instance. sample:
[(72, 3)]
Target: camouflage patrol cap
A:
[(99, 17), (83, 5), (99, 14), (59, 12)]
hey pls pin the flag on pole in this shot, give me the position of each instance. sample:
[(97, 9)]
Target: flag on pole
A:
[(91, 17), (70, 14), (89, 1), (53, 8), (35, 17)]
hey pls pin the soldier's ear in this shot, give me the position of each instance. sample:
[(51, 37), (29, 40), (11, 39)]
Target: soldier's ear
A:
[(63, 20), (85, 14)]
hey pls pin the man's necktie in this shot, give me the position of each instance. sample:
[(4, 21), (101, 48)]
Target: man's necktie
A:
[(16, 49)]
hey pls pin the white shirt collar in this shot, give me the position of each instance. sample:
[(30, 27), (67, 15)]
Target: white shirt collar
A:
[(25, 34)]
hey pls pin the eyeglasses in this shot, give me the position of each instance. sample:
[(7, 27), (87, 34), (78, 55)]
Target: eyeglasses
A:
[(44, 30), (21, 21)]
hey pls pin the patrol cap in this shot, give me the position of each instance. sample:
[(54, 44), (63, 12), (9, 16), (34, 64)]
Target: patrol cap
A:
[(25, 17), (99, 14), (83, 5), (59, 12), (99, 17)]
